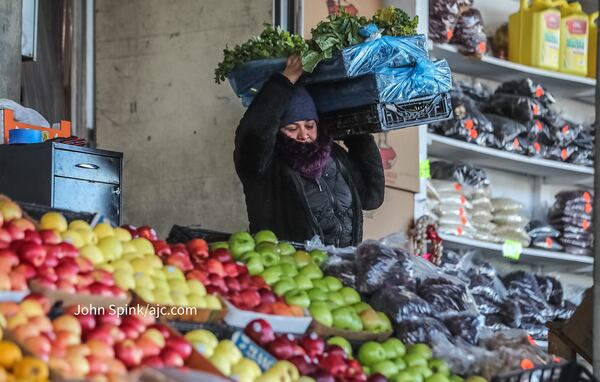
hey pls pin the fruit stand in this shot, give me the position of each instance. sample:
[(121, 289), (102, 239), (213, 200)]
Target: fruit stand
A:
[(115, 303)]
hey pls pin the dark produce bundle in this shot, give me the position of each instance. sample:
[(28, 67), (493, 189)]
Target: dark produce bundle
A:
[(343, 270), (543, 235), (551, 288), (571, 215), (422, 330), (519, 145), (443, 16), (505, 129), (538, 130), (374, 263), (469, 34), (526, 87), (537, 149), (562, 154), (447, 298), (523, 288), (400, 304), (463, 174), (565, 311), (520, 108), (476, 91), (466, 327)]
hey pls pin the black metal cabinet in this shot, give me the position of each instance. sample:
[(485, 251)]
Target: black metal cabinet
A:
[(64, 176)]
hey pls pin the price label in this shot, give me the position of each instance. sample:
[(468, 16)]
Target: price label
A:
[(511, 249), (424, 169)]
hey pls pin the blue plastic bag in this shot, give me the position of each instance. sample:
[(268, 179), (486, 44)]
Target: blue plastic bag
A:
[(247, 80), (389, 85), (370, 57)]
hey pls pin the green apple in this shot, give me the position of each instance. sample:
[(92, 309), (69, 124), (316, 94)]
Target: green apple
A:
[(283, 286), (423, 369), (336, 299), (372, 322), (346, 318), (361, 307), (350, 295), (298, 298), (289, 269), (266, 246), (321, 284), (333, 283), (302, 258), (371, 353), (317, 294), (303, 282), (250, 255), (255, 266), (394, 348), (286, 249), (422, 349), (312, 271), (405, 376), (318, 256), (321, 313), (269, 259), (367, 370), (265, 236), (400, 364), (439, 366), (288, 260), (456, 378), (387, 368), (240, 243), (272, 274), (437, 377), (341, 342), (386, 324), (475, 378), (416, 375), (218, 245), (320, 304), (413, 359)]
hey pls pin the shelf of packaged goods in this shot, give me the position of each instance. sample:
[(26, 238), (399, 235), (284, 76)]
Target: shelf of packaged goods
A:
[(496, 69), (528, 255), (552, 171)]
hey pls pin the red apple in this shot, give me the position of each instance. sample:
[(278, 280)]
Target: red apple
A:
[(377, 378), (5, 235), (66, 286), (15, 233), (180, 345), (323, 376), (154, 362), (171, 358), (100, 289), (304, 364), (32, 237), (354, 369), (67, 269), (264, 308), (214, 267), (198, 248), (18, 281), (333, 363), (84, 264), (50, 236), (28, 271), (117, 292), (109, 318), (51, 256), (313, 344), (8, 259), (135, 322), (161, 248), (84, 280), (87, 322), (41, 299), (222, 255), (103, 277), (259, 282), (217, 281), (266, 296), (39, 345), (129, 353), (251, 298), (97, 365), (129, 331), (24, 224), (101, 333), (149, 347), (46, 283), (181, 261), (260, 331), (67, 250), (147, 233), (232, 284), (32, 253), (197, 275), (231, 269), (281, 347)]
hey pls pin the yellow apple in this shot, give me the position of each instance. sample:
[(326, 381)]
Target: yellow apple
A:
[(227, 349), (143, 245), (145, 293), (124, 279), (159, 275), (212, 302), (221, 363), (179, 286), (87, 236), (141, 265), (162, 297), (160, 284), (80, 224), (53, 220), (248, 366), (111, 247), (73, 237), (155, 262), (196, 287), (179, 299), (106, 267), (171, 272), (128, 247), (123, 265), (103, 230), (122, 234), (143, 280), (16, 320), (31, 308), (202, 336), (92, 253), (196, 301)]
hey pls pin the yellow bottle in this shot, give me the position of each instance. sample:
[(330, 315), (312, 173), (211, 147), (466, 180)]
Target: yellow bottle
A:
[(574, 34), (593, 42)]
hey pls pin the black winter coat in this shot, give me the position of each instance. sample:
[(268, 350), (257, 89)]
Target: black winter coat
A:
[(275, 197)]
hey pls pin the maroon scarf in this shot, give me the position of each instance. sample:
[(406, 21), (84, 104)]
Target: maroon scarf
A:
[(308, 159)]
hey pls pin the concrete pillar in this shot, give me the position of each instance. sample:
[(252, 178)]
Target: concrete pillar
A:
[(10, 49)]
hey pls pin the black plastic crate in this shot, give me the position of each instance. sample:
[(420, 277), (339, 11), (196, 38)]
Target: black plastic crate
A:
[(555, 372), (36, 211), (377, 118), (183, 234), (221, 331)]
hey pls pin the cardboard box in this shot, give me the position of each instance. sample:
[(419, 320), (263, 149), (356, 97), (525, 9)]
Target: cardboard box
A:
[(395, 215), (400, 156)]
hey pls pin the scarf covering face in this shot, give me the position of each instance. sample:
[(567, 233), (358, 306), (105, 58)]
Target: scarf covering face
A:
[(308, 159)]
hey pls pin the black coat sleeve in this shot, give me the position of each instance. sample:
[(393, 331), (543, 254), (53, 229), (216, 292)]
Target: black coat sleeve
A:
[(367, 170), (256, 134)]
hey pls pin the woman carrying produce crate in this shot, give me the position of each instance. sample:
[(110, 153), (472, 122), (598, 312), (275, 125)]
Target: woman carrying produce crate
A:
[(297, 181)]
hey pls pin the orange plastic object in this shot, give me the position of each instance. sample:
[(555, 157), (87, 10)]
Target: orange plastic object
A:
[(9, 124)]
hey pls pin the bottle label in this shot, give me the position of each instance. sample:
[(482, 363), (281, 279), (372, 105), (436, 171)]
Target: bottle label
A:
[(574, 56), (550, 40)]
